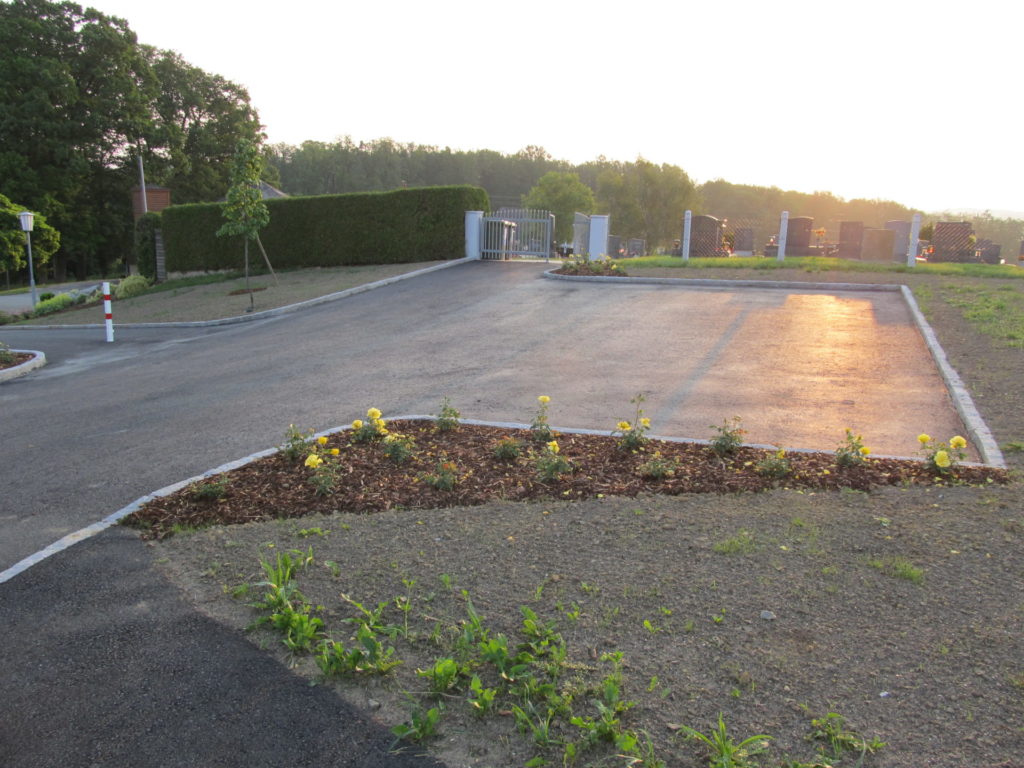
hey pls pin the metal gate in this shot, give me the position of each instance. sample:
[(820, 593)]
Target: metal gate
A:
[(517, 233)]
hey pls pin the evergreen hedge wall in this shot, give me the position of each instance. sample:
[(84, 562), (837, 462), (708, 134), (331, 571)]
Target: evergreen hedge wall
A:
[(406, 225)]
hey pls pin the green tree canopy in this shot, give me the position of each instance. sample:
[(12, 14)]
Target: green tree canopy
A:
[(13, 255), (563, 194), (645, 200), (78, 95)]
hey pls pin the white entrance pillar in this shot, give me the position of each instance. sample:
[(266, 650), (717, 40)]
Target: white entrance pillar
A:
[(474, 223), (599, 227), (783, 231), (685, 243)]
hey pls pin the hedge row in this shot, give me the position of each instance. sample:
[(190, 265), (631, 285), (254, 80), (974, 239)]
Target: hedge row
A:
[(407, 225)]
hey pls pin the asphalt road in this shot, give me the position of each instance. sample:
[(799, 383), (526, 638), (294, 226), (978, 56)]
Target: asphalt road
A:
[(107, 665)]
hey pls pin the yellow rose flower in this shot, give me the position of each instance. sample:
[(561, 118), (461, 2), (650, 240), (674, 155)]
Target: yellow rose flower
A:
[(865, 451), (553, 446), (322, 440), (357, 424), (335, 451), (623, 425), (544, 399), (957, 442), (923, 439), (373, 414), (645, 421), (313, 461), (942, 459)]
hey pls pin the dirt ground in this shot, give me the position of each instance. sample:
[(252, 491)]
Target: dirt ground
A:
[(228, 299), (899, 608)]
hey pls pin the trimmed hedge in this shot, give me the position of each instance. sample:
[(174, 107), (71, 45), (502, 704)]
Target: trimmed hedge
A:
[(145, 243), (406, 225)]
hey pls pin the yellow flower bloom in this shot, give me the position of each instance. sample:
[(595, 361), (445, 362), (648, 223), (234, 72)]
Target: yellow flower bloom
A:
[(335, 451), (357, 424), (865, 451), (957, 442), (313, 461), (322, 440), (924, 439), (544, 399), (378, 422), (623, 425), (373, 414), (942, 459), (553, 446), (645, 421)]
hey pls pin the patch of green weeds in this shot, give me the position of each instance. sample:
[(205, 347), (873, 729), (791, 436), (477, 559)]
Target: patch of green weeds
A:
[(211, 490), (898, 567), (421, 726), (832, 730), (723, 751), (743, 543)]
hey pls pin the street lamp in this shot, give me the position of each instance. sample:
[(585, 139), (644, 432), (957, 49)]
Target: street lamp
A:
[(25, 217)]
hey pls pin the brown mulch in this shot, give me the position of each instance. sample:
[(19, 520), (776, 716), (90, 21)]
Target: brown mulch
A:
[(17, 358), (369, 481)]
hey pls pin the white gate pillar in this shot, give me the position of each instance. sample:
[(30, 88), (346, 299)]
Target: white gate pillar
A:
[(684, 244), (915, 234), (474, 223), (783, 231), (599, 228)]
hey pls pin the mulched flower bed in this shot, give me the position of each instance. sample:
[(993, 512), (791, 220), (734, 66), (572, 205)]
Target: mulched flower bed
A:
[(369, 481), (17, 358)]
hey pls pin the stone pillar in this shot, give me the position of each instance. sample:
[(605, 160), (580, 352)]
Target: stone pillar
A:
[(783, 231), (599, 230), (474, 222)]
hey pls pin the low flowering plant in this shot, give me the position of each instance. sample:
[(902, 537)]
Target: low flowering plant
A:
[(540, 430), (942, 457), (549, 463), (370, 430), (852, 452), (632, 434)]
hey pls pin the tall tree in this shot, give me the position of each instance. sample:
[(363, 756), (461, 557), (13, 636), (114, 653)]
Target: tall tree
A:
[(75, 94), (78, 95), (563, 194), (13, 250), (645, 200), (198, 119)]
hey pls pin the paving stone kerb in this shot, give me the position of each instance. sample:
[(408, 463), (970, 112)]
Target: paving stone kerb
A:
[(38, 360), (978, 431)]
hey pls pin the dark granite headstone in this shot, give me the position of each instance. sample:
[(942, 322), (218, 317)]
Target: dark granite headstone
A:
[(952, 241), (877, 245), (743, 242), (851, 235), (901, 241), (705, 237), (798, 235)]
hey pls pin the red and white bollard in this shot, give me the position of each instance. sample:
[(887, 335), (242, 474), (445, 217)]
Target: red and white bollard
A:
[(108, 317)]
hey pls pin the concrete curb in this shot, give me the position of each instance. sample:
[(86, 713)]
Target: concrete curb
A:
[(708, 283), (98, 527), (267, 313), (38, 361), (977, 429)]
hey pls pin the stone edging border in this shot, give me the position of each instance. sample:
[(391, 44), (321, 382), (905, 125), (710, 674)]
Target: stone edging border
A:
[(38, 361), (977, 429), (267, 313), (112, 519)]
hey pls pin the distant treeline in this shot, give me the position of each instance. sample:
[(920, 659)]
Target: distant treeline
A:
[(621, 189)]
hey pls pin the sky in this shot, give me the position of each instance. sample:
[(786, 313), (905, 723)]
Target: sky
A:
[(918, 102)]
